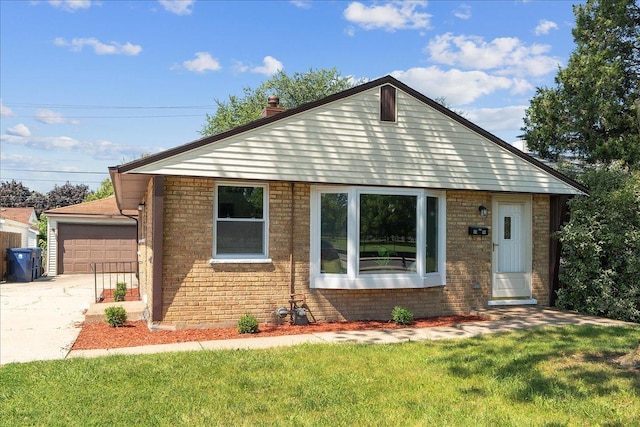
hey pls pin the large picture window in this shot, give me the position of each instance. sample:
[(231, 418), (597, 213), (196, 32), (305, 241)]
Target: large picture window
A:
[(387, 241), (240, 222), (365, 238)]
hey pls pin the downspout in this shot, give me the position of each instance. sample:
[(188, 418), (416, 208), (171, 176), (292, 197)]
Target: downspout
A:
[(292, 267)]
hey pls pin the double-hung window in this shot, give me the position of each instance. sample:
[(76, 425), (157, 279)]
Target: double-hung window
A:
[(372, 238), (240, 230)]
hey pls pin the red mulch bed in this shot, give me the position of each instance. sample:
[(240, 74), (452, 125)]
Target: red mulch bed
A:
[(102, 336), (131, 295)]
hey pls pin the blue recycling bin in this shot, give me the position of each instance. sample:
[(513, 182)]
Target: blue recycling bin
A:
[(20, 264)]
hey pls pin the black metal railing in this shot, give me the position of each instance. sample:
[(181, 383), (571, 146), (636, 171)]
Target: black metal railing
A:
[(106, 276)]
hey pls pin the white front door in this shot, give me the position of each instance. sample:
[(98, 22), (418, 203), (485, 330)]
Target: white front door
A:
[(511, 248)]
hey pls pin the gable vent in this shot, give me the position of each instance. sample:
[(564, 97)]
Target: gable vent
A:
[(387, 103)]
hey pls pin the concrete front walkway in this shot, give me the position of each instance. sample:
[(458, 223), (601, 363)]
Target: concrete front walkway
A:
[(40, 320), (503, 320)]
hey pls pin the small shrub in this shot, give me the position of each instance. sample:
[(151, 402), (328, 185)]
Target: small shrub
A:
[(402, 316), (248, 324), (120, 292), (116, 316)]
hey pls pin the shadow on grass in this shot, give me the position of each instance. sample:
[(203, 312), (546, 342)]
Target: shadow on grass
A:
[(550, 363)]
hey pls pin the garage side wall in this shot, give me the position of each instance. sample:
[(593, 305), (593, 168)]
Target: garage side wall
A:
[(52, 247)]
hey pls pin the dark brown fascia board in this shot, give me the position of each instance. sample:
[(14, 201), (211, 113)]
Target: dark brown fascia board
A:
[(337, 96), (114, 174)]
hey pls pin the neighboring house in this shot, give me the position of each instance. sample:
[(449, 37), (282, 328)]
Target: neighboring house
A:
[(23, 221), (371, 198), (89, 232)]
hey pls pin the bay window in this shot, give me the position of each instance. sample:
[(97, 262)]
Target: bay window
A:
[(368, 238)]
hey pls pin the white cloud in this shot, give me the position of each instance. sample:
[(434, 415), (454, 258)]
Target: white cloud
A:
[(99, 149), (544, 26), (394, 15), (44, 143), (179, 7), (455, 86), (71, 5), (497, 120), (204, 62), (463, 12), (16, 159), (114, 48), (52, 118), (5, 111), (270, 66), (521, 87), (19, 130), (240, 67), (303, 4), (506, 55)]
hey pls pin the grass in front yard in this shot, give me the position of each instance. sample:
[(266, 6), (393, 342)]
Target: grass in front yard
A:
[(553, 377)]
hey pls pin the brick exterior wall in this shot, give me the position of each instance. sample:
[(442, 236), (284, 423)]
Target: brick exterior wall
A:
[(196, 293), (541, 221), (468, 257)]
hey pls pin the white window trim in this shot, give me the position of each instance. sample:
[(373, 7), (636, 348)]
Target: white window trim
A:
[(242, 257), (353, 280)]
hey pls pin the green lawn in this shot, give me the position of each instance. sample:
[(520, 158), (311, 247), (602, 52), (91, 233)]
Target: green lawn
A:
[(542, 377)]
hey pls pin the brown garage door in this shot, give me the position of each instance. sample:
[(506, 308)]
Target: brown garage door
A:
[(79, 245)]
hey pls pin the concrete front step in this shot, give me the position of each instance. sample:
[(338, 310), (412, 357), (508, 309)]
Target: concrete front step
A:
[(95, 313)]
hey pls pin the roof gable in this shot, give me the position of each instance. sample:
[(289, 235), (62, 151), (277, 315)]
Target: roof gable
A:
[(341, 140), (22, 215), (101, 207)]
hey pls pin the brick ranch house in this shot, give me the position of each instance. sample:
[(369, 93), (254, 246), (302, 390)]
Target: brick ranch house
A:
[(367, 199)]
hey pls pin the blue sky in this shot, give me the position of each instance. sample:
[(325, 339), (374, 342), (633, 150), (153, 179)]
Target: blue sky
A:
[(89, 84)]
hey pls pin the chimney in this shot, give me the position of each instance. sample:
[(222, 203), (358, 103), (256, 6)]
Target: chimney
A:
[(272, 107)]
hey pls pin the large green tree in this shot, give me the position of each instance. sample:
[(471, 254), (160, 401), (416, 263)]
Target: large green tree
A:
[(601, 246), (14, 194), (293, 91), (593, 112), (592, 116), (66, 195), (105, 190)]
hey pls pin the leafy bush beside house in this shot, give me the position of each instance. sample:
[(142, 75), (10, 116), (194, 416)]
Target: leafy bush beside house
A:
[(121, 291), (116, 316), (601, 247), (248, 324)]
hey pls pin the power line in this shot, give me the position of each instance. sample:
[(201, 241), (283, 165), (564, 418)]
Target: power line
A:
[(53, 171), (109, 107), (171, 116), (51, 180)]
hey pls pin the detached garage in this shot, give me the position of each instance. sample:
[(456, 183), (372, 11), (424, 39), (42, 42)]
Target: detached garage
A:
[(89, 232)]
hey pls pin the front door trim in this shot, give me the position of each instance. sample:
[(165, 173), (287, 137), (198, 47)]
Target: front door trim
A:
[(524, 294)]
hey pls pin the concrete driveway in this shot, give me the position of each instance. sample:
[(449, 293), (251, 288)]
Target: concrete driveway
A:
[(39, 319)]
